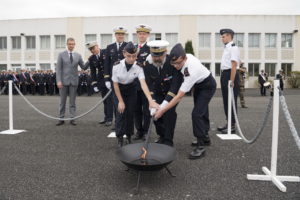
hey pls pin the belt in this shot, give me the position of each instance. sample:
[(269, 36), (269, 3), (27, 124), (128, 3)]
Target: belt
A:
[(225, 70)]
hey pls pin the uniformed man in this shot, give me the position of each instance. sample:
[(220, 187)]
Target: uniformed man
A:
[(280, 77), (198, 76), (242, 75), (123, 76), (96, 62), (113, 54), (229, 66), (163, 81), (262, 78), (142, 113)]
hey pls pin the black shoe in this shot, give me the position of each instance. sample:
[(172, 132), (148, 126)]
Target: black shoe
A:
[(221, 128), (232, 130), (244, 106), (168, 142), (197, 153), (128, 139), (120, 141), (108, 123), (72, 122), (159, 140), (138, 137), (60, 123), (102, 122), (206, 142)]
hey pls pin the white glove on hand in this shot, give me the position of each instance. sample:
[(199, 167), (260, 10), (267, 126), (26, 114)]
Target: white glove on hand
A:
[(152, 111), (163, 104), (96, 89), (108, 85)]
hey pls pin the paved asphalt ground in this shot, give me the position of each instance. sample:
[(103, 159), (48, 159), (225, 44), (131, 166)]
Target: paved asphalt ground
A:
[(67, 162)]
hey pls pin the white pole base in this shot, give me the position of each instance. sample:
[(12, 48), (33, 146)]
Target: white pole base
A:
[(277, 180), (12, 132), (113, 135), (229, 136)]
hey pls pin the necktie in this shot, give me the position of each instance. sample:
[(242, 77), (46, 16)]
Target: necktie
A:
[(140, 46), (159, 70), (71, 58)]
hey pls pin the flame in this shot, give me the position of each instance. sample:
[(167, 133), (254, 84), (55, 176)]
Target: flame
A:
[(143, 156)]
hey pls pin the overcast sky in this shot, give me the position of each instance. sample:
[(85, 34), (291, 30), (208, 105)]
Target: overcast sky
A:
[(24, 9)]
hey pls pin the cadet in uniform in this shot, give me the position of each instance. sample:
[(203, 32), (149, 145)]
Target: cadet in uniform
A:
[(96, 62), (124, 74), (229, 66), (113, 54), (280, 77), (163, 81), (198, 76), (242, 75), (142, 113)]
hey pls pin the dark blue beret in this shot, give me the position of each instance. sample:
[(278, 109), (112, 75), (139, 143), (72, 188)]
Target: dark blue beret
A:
[(226, 30), (177, 51), (130, 48)]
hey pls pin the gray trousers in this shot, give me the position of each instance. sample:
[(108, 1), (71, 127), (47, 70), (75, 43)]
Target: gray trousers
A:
[(70, 91)]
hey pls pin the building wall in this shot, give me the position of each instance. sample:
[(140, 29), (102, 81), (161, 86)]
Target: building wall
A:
[(186, 28)]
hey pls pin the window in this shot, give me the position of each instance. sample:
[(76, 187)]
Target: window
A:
[(16, 42), (204, 40), (60, 41), (287, 68), (134, 38), (270, 69), (30, 42), (172, 38), (218, 69), (90, 38), (106, 39), (238, 39), (286, 40), (45, 66), (254, 40), (218, 41), (155, 36), (3, 67), (45, 41), (270, 40), (30, 67), (16, 67), (3, 43), (253, 69), (207, 65)]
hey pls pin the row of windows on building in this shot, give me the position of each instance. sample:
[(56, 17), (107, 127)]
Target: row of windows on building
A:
[(254, 40), (60, 40), (253, 68)]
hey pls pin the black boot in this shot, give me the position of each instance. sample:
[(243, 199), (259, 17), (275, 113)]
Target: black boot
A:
[(198, 151), (120, 141), (232, 130), (206, 141), (129, 139), (221, 128)]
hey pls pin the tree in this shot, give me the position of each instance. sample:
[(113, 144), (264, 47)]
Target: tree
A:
[(189, 47)]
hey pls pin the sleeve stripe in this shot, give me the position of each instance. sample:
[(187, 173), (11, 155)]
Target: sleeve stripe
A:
[(171, 94)]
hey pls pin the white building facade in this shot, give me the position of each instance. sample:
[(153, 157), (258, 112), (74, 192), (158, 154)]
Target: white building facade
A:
[(269, 42)]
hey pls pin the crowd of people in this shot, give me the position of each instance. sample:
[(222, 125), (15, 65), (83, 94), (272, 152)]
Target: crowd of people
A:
[(43, 82)]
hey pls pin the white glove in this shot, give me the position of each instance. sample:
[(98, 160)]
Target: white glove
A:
[(96, 89), (108, 85), (152, 111), (163, 104)]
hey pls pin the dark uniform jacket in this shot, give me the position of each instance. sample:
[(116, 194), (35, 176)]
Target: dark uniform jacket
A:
[(97, 68)]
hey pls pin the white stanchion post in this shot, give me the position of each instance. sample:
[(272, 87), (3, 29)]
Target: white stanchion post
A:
[(271, 175), (229, 136), (11, 120)]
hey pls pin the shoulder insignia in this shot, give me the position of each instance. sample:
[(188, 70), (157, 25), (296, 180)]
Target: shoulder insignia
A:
[(232, 44), (117, 62), (186, 72)]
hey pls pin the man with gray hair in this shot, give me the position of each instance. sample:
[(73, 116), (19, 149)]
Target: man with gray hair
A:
[(67, 79)]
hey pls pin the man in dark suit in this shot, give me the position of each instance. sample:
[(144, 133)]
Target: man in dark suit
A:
[(113, 54), (280, 77), (23, 81), (142, 114)]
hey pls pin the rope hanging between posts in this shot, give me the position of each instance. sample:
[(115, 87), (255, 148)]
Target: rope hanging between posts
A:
[(289, 118), (260, 130), (57, 118)]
